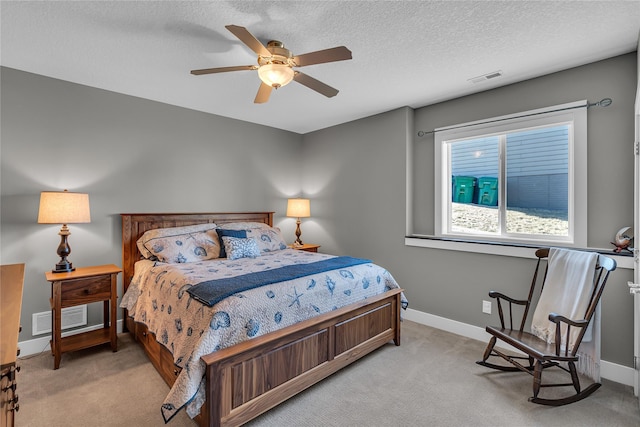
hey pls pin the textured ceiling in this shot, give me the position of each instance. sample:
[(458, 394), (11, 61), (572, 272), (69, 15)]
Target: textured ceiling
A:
[(411, 53)]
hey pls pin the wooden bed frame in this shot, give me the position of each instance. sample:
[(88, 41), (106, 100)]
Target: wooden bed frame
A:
[(248, 379)]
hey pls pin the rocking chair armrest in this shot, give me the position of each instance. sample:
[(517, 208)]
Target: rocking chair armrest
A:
[(495, 294), (556, 318)]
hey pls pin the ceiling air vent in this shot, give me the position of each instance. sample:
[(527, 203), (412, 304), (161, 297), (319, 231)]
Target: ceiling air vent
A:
[(485, 77)]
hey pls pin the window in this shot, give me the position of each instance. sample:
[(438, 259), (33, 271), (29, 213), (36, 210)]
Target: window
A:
[(519, 178)]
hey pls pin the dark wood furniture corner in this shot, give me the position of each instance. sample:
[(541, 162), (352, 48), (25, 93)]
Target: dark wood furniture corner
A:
[(11, 285), (83, 286), (306, 247)]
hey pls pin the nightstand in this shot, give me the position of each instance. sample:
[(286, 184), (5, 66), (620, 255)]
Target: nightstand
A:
[(83, 286), (306, 247)]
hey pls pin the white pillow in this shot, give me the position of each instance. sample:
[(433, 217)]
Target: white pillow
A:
[(269, 238), (189, 243), (244, 225)]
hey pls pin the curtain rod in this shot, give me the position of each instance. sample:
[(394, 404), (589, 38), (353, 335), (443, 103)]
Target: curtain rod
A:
[(605, 102)]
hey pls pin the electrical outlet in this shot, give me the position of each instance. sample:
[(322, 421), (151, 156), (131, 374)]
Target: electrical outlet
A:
[(486, 307)]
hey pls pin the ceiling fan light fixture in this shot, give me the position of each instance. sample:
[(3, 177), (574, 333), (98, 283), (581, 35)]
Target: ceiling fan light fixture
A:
[(275, 65), (275, 75)]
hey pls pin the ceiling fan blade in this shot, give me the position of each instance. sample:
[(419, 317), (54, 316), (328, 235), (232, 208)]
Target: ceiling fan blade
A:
[(339, 53), (264, 91), (314, 84), (247, 38), (223, 69)]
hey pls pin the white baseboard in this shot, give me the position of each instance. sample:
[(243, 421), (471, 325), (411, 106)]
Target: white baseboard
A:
[(611, 371), (39, 345)]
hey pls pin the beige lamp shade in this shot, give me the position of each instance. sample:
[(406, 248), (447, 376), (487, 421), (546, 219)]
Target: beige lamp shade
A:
[(298, 208), (63, 207)]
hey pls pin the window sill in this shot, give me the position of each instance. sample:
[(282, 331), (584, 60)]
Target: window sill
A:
[(624, 260)]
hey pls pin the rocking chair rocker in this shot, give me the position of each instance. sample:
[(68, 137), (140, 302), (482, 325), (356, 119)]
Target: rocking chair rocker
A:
[(538, 354)]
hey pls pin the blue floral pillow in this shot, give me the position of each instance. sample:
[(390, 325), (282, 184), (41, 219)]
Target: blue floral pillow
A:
[(240, 248)]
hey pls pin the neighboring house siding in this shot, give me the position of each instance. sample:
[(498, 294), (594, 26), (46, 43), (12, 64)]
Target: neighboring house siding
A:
[(479, 158), (536, 166), (538, 191)]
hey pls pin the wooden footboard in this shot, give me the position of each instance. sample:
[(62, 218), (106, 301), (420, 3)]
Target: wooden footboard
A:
[(250, 378)]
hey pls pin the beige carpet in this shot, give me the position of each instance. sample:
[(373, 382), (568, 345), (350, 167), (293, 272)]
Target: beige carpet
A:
[(431, 380)]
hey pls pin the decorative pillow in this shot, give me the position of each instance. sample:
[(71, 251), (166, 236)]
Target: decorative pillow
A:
[(269, 238), (240, 248), (190, 243), (245, 225), (241, 234)]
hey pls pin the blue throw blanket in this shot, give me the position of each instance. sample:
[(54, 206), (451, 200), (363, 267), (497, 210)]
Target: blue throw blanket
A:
[(214, 291)]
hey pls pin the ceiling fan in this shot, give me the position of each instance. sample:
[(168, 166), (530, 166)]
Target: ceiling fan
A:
[(275, 65)]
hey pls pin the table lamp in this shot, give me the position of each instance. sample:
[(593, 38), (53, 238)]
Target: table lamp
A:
[(63, 207), (298, 208)]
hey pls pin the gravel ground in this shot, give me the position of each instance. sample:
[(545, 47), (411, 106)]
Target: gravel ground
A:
[(469, 217)]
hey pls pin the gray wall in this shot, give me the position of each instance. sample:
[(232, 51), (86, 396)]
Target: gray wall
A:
[(355, 178), (133, 155), (130, 155), (355, 174)]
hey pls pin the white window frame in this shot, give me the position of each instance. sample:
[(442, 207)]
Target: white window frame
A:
[(574, 114)]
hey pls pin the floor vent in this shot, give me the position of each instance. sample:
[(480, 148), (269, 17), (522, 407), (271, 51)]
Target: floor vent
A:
[(71, 317), (486, 77)]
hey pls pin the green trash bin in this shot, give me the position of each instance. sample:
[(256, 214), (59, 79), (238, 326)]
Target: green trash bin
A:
[(463, 188), (488, 191)]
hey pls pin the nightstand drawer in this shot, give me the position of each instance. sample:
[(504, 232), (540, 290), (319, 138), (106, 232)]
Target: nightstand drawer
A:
[(86, 289)]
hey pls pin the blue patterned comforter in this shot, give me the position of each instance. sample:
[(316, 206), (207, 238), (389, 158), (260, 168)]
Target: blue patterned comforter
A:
[(158, 297)]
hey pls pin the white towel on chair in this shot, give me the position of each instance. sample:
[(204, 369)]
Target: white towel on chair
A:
[(589, 351), (567, 291)]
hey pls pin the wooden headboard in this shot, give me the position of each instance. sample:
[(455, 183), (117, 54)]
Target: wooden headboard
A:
[(134, 225)]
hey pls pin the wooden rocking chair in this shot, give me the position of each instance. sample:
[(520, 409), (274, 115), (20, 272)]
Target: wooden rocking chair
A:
[(539, 354)]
